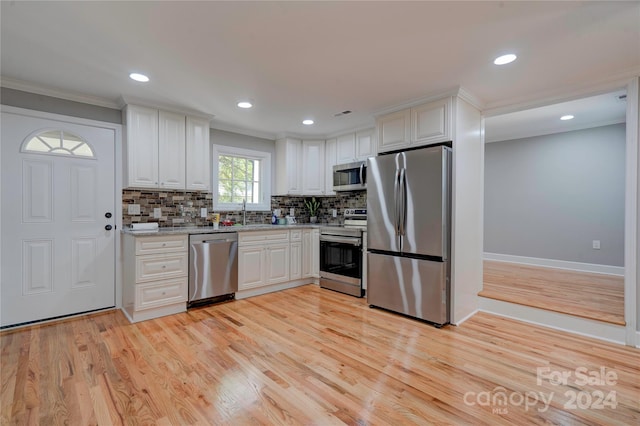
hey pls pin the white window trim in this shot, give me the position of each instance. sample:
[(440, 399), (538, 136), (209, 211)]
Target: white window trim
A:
[(265, 178)]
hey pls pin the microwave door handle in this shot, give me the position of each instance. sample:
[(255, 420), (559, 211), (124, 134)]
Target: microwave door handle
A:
[(362, 174)]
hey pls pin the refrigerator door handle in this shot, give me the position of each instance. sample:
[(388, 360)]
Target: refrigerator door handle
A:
[(403, 202), (396, 199)]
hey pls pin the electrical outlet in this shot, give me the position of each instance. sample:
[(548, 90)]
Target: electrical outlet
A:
[(334, 213), (133, 209), (292, 212), (157, 213), (203, 212), (596, 244)]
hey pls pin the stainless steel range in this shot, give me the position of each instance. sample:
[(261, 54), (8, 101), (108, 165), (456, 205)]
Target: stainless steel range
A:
[(342, 254)]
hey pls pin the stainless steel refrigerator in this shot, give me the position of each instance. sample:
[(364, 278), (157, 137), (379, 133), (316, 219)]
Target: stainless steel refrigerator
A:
[(408, 224)]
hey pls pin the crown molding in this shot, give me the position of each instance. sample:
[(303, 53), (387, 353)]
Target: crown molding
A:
[(457, 91), (216, 125), (469, 97), (15, 84), (132, 100)]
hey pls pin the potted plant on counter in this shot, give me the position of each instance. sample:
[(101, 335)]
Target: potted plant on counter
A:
[(313, 206)]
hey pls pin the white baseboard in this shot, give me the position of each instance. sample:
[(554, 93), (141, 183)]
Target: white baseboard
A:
[(569, 323), (559, 264), (457, 323)]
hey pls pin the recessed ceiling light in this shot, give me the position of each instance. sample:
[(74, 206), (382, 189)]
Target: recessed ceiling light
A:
[(138, 77), (244, 104), (505, 59), (566, 117), (307, 122)]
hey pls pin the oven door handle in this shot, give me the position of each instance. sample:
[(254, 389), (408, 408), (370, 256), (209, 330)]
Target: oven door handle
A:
[(343, 240)]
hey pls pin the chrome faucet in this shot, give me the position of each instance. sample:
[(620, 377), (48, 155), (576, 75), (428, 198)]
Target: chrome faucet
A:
[(244, 211)]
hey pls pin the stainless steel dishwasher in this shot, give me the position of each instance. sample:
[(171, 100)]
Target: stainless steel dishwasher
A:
[(213, 267)]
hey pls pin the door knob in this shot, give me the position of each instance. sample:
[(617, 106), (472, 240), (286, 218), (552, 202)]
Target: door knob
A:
[(108, 227), (108, 215)]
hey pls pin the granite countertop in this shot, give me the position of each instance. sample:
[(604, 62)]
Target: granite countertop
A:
[(222, 229)]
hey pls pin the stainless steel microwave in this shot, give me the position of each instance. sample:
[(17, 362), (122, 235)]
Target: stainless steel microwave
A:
[(350, 177)]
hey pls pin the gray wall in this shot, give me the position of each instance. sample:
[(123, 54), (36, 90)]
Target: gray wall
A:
[(550, 196), (221, 137), (53, 105)]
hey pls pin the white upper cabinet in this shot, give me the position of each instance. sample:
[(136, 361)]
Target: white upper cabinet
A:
[(393, 130), (430, 122), (365, 144), (166, 150), (313, 168), (171, 150), (346, 149), (288, 167), (356, 146), (421, 125), (141, 126), (198, 153), (330, 156)]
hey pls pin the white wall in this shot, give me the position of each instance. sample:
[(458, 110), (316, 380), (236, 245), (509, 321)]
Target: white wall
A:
[(466, 273)]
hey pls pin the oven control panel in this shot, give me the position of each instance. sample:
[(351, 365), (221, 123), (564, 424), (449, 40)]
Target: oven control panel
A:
[(355, 213)]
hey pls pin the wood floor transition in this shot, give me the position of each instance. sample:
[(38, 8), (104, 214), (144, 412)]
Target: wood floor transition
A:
[(310, 356), (587, 295)]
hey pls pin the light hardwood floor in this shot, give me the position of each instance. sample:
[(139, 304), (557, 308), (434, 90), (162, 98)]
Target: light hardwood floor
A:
[(587, 295), (309, 356)]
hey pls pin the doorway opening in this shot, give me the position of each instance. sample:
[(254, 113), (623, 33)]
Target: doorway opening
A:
[(555, 207)]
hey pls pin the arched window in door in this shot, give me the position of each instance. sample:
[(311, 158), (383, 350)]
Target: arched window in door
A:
[(57, 142)]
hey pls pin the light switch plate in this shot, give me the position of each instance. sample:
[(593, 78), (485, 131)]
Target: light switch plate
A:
[(157, 213), (133, 209), (203, 212)]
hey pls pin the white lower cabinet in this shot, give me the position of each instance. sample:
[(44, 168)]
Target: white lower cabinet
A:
[(295, 259), (277, 270), (275, 260), (263, 258), (251, 271), (155, 275), (311, 253)]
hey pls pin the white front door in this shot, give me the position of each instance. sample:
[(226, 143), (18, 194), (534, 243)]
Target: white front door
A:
[(58, 199)]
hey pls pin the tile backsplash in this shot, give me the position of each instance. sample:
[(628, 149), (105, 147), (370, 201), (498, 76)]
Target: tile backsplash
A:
[(182, 208)]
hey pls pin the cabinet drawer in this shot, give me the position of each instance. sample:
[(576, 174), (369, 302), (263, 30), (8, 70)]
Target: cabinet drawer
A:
[(262, 237), (155, 294), (296, 235), (161, 244), (161, 266)]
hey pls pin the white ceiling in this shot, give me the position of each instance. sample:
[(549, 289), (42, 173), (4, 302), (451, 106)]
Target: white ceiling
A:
[(314, 59)]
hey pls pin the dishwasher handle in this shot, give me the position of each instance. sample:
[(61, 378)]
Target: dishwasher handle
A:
[(215, 241)]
